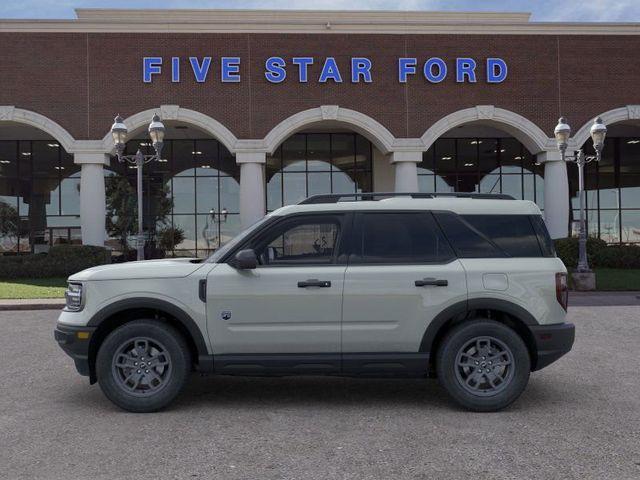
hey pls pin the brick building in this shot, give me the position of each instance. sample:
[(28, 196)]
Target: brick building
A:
[(264, 108)]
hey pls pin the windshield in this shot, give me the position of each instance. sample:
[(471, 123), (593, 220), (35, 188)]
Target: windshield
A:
[(239, 238)]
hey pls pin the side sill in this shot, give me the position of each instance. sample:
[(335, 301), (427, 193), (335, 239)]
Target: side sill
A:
[(351, 364)]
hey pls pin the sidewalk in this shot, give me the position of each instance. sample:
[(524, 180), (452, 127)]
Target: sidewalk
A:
[(576, 299), (603, 299)]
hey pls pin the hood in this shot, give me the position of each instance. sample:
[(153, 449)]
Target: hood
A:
[(166, 268)]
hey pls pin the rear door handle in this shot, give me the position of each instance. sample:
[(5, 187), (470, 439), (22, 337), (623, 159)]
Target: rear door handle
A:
[(425, 282), (312, 282)]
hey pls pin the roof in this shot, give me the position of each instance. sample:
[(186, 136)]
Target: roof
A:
[(463, 206), (311, 21)]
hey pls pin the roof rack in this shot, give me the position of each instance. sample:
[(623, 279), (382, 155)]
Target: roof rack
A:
[(371, 196)]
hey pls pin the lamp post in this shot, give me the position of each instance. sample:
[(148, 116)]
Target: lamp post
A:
[(562, 133), (119, 133), (210, 230)]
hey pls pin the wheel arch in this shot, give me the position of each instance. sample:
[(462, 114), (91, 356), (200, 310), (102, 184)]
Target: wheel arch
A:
[(503, 311), (127, 310)]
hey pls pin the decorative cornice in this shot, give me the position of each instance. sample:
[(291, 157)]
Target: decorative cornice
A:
[(307, 21)]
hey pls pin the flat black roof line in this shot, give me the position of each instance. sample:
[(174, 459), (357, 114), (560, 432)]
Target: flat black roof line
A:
[(371, 196)]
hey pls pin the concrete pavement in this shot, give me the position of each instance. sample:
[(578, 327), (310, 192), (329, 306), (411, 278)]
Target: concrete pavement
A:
[(579, 418)]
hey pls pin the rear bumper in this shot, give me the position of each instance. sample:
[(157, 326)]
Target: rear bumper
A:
[(75, 343), (552, 342)]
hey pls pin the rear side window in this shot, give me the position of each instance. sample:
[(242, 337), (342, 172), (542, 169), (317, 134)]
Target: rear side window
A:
[(401, 238), (467, 241), (514, 234)]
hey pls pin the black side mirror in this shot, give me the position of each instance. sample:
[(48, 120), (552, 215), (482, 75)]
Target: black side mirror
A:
[(244, 260)]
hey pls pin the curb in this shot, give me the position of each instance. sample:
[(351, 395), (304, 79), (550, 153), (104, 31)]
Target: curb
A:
[(35, 304)]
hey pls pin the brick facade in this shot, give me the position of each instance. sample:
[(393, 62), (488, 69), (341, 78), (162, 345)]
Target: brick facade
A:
[(81, 80)]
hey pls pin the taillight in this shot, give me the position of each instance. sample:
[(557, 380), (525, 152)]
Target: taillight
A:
[(562, 290)]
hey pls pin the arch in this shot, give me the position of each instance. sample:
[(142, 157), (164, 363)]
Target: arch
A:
[(177, 113), (527, 132), (9, 113), (373, 130), (629, 112)]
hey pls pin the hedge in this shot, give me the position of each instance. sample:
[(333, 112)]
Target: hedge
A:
[(599, 254), (60, 261)]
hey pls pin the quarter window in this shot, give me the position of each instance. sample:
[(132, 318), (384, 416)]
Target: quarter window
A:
[(514, 234), (467, 241), (402, 238)]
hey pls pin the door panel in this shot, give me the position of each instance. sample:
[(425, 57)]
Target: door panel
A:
[(402, 274), (384, 311), (290, 303), (265, 311)]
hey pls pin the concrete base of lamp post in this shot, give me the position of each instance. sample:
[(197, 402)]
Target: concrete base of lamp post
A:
[(584, 281)]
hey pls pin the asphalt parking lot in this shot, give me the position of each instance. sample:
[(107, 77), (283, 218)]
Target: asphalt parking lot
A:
[(579, 418)]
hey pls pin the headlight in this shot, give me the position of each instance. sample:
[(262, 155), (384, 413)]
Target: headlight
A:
[(73, 296)]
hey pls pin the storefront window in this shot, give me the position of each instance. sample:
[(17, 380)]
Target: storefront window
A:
[(612, 191), (39, 196), (485, 165), (202, 180), (316, 163)]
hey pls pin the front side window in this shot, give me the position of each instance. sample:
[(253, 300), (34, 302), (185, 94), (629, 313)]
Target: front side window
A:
[(301, 242), (397, 238)]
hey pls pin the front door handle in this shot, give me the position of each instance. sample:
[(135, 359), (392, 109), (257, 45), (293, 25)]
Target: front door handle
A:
[(425, 282), (312, 282)]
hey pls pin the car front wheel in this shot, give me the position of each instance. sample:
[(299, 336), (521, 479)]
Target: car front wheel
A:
[(483, 364), (143, 365)]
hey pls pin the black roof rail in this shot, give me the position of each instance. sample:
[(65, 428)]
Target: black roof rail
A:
[(369, 196)]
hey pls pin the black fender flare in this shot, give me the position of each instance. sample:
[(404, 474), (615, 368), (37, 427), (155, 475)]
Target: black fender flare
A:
[(459, 310), (156, 304)]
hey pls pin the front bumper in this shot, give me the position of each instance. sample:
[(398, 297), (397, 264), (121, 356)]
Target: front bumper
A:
[(552, 342), (75, 343)]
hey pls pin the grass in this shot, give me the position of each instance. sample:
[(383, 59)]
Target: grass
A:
[(33, 288)]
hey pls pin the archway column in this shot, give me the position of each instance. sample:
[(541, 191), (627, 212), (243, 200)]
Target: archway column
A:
[(92, 196), (252, 187), (556, 194), (406, 170)]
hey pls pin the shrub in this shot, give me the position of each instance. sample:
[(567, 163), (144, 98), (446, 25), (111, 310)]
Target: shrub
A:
[(618, 256), (169, 237), (599, 254), (567, 250), (61, 261)]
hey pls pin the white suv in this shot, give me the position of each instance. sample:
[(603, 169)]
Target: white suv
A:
[(465, 287)]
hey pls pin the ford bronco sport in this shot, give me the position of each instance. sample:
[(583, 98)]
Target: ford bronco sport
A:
[(465, 287)]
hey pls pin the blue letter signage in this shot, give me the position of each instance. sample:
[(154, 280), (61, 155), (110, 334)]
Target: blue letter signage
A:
[(327, 70)]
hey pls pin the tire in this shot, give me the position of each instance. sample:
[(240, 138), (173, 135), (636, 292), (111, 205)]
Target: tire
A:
[(140, 383), (501, 355)]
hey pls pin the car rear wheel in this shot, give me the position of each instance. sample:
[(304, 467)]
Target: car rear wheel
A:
[(143, 365), (483, 364)]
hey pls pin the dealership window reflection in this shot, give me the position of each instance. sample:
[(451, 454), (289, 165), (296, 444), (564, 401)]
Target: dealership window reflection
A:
[(484, 165), (315, 163), (39, 196), (202, 178), (612, 192)]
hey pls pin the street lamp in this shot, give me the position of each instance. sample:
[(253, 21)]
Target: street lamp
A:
[(562, 133), (210, 230), (119, 133)]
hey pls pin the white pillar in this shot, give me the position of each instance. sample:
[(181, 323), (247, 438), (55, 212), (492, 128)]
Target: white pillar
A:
[(92, 197), (252, 188), (556, 194), (406, 166)]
